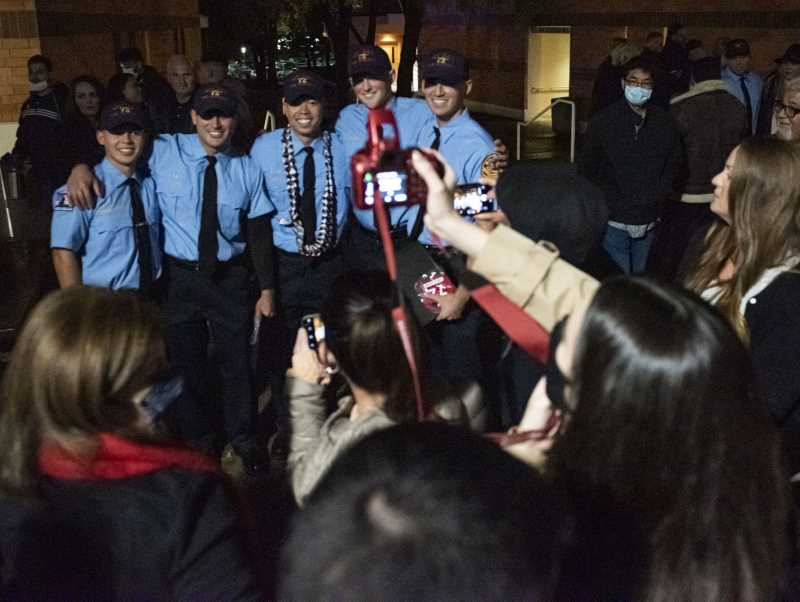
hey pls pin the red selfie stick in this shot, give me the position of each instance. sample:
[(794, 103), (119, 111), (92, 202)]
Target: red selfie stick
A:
[(375, 146), (398, 312)]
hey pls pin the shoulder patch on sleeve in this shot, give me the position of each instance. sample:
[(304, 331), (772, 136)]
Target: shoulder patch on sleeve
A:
[(62, 203), (489, 166)]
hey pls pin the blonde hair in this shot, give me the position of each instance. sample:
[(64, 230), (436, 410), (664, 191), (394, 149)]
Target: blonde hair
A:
[(81, 357), (764, 231)]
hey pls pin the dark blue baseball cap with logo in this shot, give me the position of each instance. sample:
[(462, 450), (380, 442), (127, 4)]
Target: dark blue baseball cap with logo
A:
[(303, 84), (119, 117), (214, 100), (369, 61), (446, 66)]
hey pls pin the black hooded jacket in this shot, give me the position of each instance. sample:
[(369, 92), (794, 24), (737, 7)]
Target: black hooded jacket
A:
[(633, 160)]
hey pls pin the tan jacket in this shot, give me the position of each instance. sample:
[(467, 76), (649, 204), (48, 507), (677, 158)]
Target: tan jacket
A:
[(318, 440), (531, 275)]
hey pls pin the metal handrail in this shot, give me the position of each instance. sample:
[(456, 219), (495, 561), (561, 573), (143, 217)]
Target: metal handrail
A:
[(521, 124), (269, 121)]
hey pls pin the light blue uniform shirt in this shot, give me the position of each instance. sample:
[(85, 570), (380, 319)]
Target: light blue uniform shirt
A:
[(267, 153), (465, 145), (103, 237), (412, 116), (754, 86), (177, 164)]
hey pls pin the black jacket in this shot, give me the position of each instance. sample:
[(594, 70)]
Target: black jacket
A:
[(169, 535), (774, 323), (711, 122), (40, 136), (635, 169)]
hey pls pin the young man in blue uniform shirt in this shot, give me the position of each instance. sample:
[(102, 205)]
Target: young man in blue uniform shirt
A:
[(117, 244), (371, 77), (206, 193), (471, 152), (307, 175)]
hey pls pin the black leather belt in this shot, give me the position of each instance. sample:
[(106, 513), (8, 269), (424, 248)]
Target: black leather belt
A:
[(397, 233), (194, 266), (332, 253)]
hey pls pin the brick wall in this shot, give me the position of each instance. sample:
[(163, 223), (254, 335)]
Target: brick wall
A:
[(83, 37), (494, 43), (494, 38), (18, 40)]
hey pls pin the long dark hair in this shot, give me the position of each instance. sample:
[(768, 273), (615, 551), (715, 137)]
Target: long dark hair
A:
[(361, 334), (72, 111), (668, 434)]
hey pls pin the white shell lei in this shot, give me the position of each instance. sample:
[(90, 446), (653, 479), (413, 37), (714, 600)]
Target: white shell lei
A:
[(325, 237)]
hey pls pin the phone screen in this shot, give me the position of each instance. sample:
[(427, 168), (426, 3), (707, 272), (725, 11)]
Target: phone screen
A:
[(471, 199), (315, 329), (392, 185)]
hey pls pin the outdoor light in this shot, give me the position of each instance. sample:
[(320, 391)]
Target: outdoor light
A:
[(244, 49)]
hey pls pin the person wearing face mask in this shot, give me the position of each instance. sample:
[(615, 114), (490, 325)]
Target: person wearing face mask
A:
[(631, 151), (40, 136), (96, 499), (156, 92), (39, 153)]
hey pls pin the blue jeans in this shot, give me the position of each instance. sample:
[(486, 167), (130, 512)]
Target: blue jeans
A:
[(628, 253)]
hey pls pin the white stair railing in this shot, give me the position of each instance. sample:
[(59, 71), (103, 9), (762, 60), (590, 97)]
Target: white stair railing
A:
[(557, 101)]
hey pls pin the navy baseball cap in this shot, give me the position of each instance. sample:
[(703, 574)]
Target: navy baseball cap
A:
[(215, 99), (369, 60), (737, 48), (303, 83), (447, 66), (119, 117)]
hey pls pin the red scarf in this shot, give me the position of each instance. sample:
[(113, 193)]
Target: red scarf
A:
[(119, 458)]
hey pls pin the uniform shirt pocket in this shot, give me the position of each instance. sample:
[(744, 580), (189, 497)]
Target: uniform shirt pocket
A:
[(175, 198), (229, 217), (113, 230)]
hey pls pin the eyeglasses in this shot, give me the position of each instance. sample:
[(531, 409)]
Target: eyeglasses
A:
[(647, 84), (790, 111)]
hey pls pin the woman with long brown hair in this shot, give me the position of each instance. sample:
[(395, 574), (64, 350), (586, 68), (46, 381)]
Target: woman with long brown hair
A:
[(94, 502), (749, 269)]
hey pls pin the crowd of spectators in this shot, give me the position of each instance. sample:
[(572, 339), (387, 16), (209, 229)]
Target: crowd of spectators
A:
[(628, 430)]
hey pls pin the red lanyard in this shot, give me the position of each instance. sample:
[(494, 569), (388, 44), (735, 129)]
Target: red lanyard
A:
[(398, 312)]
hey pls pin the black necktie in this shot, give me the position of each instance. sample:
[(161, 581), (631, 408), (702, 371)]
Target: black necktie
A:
[(308, 211), (141, 236), (747, 101), (209, 223), (437, 138)]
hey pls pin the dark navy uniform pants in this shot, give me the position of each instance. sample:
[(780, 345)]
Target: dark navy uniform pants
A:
[(201, 307)]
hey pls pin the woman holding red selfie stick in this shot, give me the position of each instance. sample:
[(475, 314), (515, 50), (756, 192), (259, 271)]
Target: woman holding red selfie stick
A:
[(671, 462)]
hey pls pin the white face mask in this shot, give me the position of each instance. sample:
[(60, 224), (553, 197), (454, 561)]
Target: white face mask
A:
[(38, 86)]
